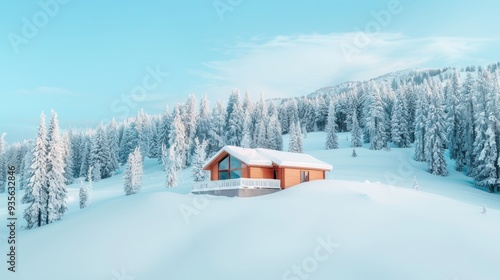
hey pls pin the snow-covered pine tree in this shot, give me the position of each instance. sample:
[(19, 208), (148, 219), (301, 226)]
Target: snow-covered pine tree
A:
[(332, 141), (164, 129), (129, 143), (84, 167), (354, 154), (36, 190), (415, 184), (300, 143), (172, 166), (100, 153), (246, 139), (132, 180), (3, 163), (114, 144), (178, 140), (235, 123), (261, 121), (96, 171), (420, 121), (454, 119), (216, 132), (199, 158), (375, 121), (68, 158), (399, 123), (487, 152), (356, 133), (83, 195), (56, 187), (469, 114), (485, 210), (274, 133), (203, 125), (26, 169), (435, 139)]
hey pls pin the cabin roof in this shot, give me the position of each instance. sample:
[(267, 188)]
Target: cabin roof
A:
[(266, 157)]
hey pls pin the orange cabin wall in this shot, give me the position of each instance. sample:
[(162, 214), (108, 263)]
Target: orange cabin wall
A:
[(292, 176)]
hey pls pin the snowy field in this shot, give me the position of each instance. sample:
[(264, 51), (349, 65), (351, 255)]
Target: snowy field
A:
[(366, 222)]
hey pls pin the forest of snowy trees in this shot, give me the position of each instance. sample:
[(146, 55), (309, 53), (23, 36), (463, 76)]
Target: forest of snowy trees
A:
[(431, 112)]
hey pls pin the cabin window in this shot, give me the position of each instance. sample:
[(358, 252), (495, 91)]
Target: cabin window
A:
[(230, 168), (304, 176), (275, 174)]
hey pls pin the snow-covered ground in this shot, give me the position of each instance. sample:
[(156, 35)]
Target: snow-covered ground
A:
[(366, 222)]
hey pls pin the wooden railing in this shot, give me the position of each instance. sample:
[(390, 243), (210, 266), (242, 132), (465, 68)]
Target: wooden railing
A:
[(237, 184)]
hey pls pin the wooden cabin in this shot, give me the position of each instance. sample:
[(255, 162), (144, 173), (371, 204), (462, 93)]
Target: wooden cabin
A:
[(236, 171)]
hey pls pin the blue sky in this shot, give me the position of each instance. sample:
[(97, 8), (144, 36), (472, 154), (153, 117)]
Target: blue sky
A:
[(92, 60)]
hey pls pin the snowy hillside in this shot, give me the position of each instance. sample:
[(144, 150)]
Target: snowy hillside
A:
[(366, 222)]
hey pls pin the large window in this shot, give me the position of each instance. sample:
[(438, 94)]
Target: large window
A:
[(230, 168), (304, 176)]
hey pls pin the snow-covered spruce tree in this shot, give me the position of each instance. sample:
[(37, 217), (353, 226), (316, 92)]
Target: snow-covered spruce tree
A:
[(469, 115), (354, 154), (454, 118), (216, 132), (100, 153), (375, 121), (235, 123), (3, 163), (274, 132), (356, 133), (420, 121), (83, 195), (114, 144), (84, 166), (132, 180), (143, 127), (129, 143), (246, 139), (56, 189), (415, 184), (172, 166), (261, 121), (487, 152), (96, 171), (164, 129), (190, 120), (199, 158), (26, 169), (203, 125), (332, 141), (435, 139), (178, 140), (295, 142), (68, 159), (399, 123), (35, 193)]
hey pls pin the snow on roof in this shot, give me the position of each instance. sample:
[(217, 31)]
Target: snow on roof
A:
[(265, 157), (288, 159)]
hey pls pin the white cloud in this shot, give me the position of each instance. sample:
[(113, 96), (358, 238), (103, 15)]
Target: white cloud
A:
[(298, 65), (45, 90)]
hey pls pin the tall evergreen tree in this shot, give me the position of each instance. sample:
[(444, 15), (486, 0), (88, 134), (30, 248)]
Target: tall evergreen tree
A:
[(133, 173), (37, 186), (199, 158), (356, 134), (435, 139), (172, 166), (274, 132), (332, 141), (399, 123), (375, 122), (56, 183)]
